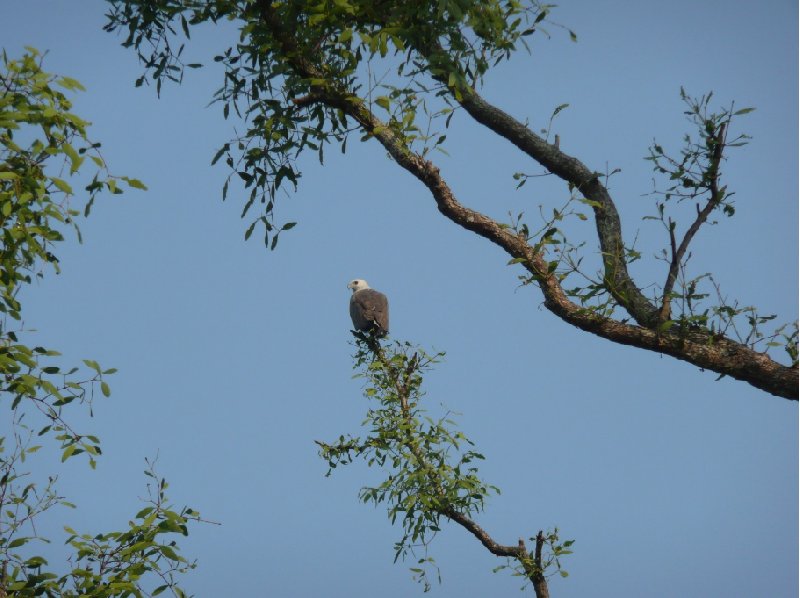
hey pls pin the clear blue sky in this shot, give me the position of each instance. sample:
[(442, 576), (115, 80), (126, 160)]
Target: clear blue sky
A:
[(233, 360)]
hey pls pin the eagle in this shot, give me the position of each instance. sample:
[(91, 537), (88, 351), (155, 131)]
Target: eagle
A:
[(369, 309)]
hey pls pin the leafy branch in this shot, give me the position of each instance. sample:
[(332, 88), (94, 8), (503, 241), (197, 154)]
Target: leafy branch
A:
[(694, 177), (432, 466), (38, 136)]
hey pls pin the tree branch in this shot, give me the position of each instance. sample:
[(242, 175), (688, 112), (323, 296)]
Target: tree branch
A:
[(609, 229), (306, 100), (698, 347), (720, 354), (532, 567), (717, 195), (537, 561)]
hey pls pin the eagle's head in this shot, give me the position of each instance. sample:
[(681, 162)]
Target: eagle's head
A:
[(357, 285)]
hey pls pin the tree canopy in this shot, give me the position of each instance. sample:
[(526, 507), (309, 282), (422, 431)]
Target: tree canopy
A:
[(301, 77)]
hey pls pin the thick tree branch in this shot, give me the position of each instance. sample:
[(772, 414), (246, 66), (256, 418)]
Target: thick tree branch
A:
[(720, 354), (609, 229), (716, 353), (539, 578), (306, 100), (481, 535)]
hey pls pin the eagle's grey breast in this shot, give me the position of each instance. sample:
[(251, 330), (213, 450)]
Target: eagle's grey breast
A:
[(369, 309)]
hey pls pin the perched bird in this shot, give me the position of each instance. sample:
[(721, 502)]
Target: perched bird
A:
[(369, 309)]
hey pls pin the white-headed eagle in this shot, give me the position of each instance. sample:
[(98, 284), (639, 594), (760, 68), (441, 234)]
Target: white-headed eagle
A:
[(369, 309)]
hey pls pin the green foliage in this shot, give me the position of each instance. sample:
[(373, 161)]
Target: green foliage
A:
[(692, 175), (39, 136), (105, 564), (694, 178), (693, 184), (406, 60), (553, 550), (430, 466)]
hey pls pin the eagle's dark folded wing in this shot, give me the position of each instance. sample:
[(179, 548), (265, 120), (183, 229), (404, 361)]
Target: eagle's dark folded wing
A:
[(369, 310)]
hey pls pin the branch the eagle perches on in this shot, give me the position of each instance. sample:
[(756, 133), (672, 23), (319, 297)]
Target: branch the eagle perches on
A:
[(432, 475)]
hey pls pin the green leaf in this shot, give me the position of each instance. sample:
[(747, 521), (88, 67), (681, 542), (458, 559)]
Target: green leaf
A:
[(74, 158), (62, 185), (144, 512), (105, 388), (71, 84), (170, 553), (249, 230), (219, 153), (135, 183), (68, 452), (92, 364), (590, 202)]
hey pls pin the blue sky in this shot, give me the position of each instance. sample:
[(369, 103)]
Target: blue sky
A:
[(233, 360)]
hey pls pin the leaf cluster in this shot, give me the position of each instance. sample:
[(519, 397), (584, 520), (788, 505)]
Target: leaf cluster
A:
[(39, 136), (430, 465), (693, 173), (106, 564), (694, 177), (432, 48), (553, 550)]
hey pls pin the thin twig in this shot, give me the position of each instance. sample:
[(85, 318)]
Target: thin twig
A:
[(717, 195)]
